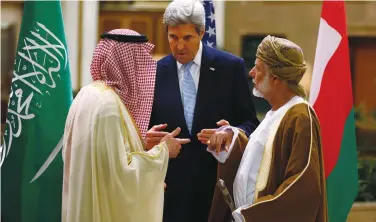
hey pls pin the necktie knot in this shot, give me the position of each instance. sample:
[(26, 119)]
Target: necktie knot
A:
[(187, 66)]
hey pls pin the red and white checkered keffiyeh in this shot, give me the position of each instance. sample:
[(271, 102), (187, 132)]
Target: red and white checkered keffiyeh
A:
[(131, 70)]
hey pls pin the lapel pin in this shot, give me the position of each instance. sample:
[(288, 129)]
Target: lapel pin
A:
[(212, 69)]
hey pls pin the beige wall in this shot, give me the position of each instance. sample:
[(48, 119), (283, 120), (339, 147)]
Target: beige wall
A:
[(298, 21), (11, 14)]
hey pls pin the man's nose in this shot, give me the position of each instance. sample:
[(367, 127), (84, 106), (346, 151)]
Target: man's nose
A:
[(180, 46), (252, 73)]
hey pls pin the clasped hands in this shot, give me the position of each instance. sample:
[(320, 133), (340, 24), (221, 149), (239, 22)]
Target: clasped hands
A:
[(217, 141)]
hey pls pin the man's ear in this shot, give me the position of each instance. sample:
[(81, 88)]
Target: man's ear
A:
[(275, 79), (280, 81)]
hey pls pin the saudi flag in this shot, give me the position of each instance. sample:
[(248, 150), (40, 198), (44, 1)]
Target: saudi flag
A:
[(41, 93), (331, 97)]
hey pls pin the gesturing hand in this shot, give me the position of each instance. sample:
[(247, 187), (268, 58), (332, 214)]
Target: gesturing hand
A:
[(221, 140), (154, 135), (205, 134), (174, 144)]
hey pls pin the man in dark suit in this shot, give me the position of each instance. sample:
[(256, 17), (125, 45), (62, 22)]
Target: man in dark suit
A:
[(198, 89)]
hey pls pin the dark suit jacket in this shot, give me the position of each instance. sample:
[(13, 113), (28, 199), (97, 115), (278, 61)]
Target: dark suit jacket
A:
[(223, 93)]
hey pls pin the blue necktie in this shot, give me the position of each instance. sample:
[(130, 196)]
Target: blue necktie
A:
[(189, 95)]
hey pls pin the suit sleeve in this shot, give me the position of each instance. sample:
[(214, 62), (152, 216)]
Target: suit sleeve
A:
[(152, 122), (153, 112), (245, 112)]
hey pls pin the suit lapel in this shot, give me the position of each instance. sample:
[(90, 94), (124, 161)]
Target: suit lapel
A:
[(207, 75)]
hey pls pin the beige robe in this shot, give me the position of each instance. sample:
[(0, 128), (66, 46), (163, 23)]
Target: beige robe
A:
[(291, 184), (108, 177)]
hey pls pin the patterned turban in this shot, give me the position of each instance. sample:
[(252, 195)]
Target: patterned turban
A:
[(128, 67), (285, 60)]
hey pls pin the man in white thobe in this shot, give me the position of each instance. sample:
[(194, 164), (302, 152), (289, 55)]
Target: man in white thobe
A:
[(108, 174)]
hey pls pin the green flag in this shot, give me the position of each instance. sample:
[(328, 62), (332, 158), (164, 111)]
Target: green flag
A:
[(332, 98), (40, 97)]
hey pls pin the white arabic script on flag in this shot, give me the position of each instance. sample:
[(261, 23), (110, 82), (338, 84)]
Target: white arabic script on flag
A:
[(37, 64)]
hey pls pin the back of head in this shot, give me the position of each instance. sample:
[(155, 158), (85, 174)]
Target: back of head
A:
[(181, 12), (123, 61), (285, 60)]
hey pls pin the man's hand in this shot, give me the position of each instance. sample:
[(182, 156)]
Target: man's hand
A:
[(205, 134), (154, 135), (174, 144), (221, 141)]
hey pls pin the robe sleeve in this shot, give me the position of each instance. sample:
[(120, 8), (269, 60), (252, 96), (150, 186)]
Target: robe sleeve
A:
[(297, 197), (220, 211), (127, 167), (111, 177)]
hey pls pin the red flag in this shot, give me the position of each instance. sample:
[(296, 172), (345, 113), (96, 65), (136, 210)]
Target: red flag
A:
[(331, 97)]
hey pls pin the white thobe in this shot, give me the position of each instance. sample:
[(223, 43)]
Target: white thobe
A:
[(246, 177), (107, 174)]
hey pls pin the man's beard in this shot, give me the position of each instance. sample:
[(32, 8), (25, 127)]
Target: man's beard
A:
[(257, 93), (263, 88)]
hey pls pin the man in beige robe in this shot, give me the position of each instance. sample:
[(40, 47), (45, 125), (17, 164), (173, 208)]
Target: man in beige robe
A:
[(108, 174), (276, 175)]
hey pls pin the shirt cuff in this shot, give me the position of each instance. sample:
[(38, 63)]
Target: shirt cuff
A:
[(237, 215), (223, 155)]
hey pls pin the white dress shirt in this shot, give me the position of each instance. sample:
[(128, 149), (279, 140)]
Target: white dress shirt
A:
[(195, 70)]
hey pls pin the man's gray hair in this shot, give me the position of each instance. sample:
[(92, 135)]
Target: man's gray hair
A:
[(181, 12)]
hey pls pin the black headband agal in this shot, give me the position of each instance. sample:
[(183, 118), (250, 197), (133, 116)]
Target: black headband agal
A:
[(125, 38)]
